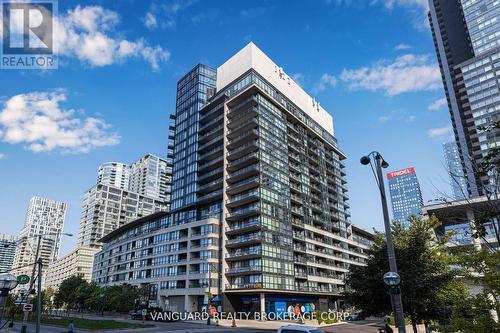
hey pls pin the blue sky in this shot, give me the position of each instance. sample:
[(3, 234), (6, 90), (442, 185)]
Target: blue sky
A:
[(371, 64)]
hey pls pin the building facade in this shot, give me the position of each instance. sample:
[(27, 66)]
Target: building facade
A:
[(114, 174), (78, 262), (43, 216), (466, 36), (255, 156), (124, 193), (7, 251), (459, 217), (458, 182), (151, 176), (406, 197), (106, 208)]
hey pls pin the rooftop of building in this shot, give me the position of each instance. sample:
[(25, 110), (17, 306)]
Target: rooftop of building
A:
[(131, 225), (251, 57)]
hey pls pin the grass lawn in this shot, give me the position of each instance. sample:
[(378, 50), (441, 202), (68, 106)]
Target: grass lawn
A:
[(93, 325)]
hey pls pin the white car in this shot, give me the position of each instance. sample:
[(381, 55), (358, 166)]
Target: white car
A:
[(299, 329)]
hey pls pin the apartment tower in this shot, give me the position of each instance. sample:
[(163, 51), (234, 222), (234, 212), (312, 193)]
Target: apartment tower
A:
[(260, 214), (467, 40), (43, 217)]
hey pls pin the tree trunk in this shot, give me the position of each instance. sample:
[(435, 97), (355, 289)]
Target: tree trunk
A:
[(414, 324)]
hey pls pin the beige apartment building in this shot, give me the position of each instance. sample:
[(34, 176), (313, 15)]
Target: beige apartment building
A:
[(77, 263)]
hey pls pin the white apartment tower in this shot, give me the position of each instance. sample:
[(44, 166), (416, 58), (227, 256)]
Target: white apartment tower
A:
[(124, 193), (44, 216), (114, 174), (150, 176)]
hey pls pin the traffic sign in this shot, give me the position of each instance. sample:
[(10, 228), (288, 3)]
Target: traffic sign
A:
[(22, 291), (21, 301), (28, 307), (23, 279)]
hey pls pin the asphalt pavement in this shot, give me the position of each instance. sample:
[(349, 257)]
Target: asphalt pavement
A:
[(364, 326)]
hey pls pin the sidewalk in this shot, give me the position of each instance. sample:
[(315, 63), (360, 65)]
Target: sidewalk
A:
[(259, 324)]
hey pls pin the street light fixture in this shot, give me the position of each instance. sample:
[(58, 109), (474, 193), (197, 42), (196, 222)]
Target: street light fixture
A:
[(392, 279), (7, 283), (395, 297)]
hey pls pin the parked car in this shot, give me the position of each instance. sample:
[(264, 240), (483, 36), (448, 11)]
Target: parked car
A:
[(356, 316), (137, 315), (299, 329), (161, 316)]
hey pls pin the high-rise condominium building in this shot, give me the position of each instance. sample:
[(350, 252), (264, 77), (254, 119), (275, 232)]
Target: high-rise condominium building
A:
[(7, 251), (456, 174), (467, 39), (260, 215), (151, 176), (124, 193), (43, 217), (406, 197), (78, 262), (114, 174)]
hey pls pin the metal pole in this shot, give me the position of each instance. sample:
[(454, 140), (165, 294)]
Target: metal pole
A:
[(32, 280), (398, 304), (3, 301), (39, 298)]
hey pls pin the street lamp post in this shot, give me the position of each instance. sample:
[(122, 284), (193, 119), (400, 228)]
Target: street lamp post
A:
[(38, 264), (7, 283), (395, 297)]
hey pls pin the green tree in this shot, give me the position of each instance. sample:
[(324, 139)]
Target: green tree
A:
[(121, 298), (473, 313), (68, 293), (428, 283)]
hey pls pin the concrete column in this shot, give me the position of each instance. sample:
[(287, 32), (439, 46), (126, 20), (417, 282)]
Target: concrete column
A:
[(262, 305), (472, 220), (477, 247), (187, 303)]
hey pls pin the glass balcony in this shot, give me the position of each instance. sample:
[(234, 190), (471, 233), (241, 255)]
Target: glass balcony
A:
[(243, 149), (246, 225)]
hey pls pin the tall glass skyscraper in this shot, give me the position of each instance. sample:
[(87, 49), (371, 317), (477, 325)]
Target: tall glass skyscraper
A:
[(193, 91), (467, 40), (406, 197), (260, 212), (457, 180)]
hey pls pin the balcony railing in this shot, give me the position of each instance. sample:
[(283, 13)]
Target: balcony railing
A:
[(242, 253), (244, 269), (243, 225), (245, 238)]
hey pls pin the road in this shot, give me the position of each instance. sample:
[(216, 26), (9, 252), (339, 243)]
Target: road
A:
[(365, 326), (362, 326)]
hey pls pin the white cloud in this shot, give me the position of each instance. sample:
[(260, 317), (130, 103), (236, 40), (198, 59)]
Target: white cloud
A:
[(402, 46), (417, 8), (165, 13), (440, 132), (3, 156), (390, 4), (88, 34), (407, 73), (150, 21), (397, 115), (438, 104), (326, 80), (384, 119), (38, 120)]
